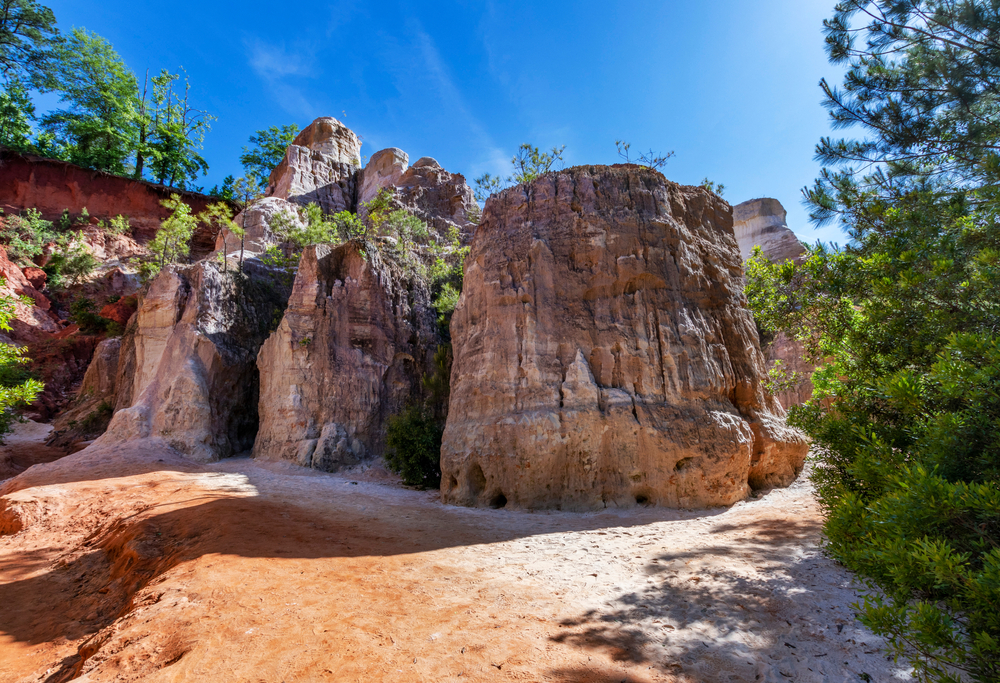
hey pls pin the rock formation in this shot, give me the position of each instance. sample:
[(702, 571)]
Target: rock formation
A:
[(604, 354), (761, 222), (187, 371), (355, 340), (33, 320), (257, 222), (320, 167), (323, 166)]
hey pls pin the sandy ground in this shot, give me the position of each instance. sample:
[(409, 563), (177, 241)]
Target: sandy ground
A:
[(25, 446), (134, 565)]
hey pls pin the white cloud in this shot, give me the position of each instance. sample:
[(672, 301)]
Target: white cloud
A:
[(276, 65)]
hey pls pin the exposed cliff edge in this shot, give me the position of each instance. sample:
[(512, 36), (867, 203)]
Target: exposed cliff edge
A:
[(761, 222), (604, 354), (358, 335)]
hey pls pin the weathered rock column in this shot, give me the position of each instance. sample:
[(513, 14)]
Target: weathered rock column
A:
[(604, 354), (356, 339)]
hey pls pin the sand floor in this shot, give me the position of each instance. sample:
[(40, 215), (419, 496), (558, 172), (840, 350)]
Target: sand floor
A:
[(131, 564)]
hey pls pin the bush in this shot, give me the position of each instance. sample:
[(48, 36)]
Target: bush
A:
[(413, 439), (81, 312), (24, 236)]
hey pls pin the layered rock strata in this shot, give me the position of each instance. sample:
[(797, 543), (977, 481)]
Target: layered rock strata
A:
[(356, 339), (186, 369), (604, 354), (761, 222)]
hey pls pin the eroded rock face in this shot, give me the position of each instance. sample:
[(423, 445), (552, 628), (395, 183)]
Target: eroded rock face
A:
[(320, 167), (186, 368), (761, 222), (32, 317), (258, 222), (441, 199), (355, 340), (384, 170), (604, 354)]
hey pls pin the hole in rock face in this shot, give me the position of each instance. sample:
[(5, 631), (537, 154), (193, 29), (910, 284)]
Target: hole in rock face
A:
[(641, 499), (477, 480), (452, 483), (682, 463), (499, 501)]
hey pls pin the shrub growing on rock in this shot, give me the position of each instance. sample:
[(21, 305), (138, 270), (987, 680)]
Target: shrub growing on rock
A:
[(413, 440)]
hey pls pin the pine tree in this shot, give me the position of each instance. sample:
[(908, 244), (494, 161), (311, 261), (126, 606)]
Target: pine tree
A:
[(905, 324)]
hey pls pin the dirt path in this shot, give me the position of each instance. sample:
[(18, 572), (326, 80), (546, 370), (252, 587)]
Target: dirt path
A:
[(133, 565)]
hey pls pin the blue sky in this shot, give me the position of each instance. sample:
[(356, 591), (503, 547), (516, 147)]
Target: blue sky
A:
[(729, 85)]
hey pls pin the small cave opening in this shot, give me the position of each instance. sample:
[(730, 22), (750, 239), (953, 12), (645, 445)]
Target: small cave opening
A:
[(642, 499), (477, 480), (499, 501)]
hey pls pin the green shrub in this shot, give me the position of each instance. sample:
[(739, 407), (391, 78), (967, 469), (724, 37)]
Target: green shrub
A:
[(24, 236), (81, 312), (413, 438), (70, 264)]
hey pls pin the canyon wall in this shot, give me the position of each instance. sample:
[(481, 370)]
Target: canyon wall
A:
[(51, 186), (604, 354), (358, 335), (186, 369)]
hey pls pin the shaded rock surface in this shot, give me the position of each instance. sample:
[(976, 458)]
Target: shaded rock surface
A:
[(87, 417), (761, 222), (355, 340), (604, 354), (186, 370)]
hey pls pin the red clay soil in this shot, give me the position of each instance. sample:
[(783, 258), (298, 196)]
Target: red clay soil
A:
[(51, 186), (128, 563)]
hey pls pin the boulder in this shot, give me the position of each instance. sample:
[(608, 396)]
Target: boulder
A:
[(320, 166), (761, 222), (186, 368), (604, 354), (357, 337), (36, 277), (257, 222), (121, 310)]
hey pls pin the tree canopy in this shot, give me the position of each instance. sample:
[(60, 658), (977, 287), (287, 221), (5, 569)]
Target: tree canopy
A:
[(267, 149), (903, 322)]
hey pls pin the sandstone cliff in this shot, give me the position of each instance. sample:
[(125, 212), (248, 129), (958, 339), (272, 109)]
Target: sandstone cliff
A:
[(186, 369), (355, 340), (761, 222), (604, 354)]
